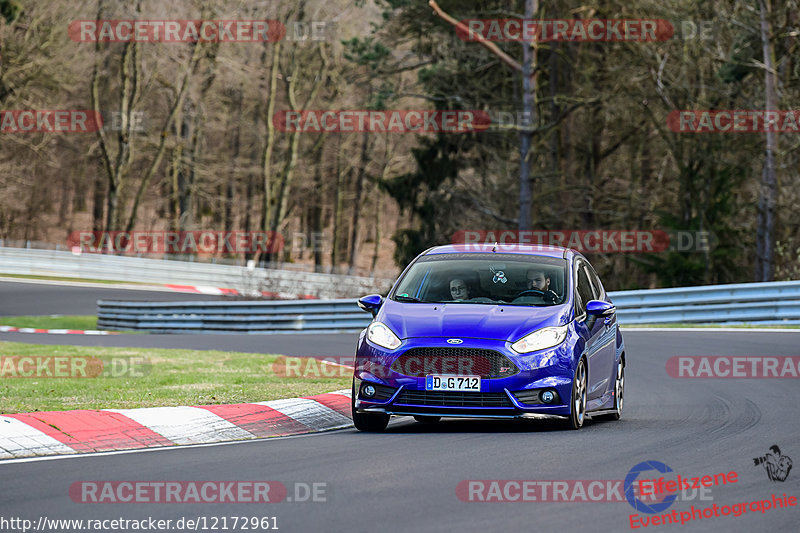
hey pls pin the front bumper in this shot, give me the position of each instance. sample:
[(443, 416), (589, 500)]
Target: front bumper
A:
[(401, 387)]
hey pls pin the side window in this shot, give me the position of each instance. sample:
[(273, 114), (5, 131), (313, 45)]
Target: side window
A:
[(597, 287), (584, 289)]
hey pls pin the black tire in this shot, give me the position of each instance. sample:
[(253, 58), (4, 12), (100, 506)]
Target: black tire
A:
[(426, 419), (619, 394), (370, 422), (577, 404)]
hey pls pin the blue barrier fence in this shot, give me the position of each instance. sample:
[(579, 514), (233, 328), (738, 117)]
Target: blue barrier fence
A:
[(740, 303), (744, 303)]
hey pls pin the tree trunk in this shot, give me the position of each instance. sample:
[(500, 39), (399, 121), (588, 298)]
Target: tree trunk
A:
[(361, 176), (316, 223), (337, 208), (235, 146), (116, 171), (156, 162), (181, 127), (188, 173), (66, 189), (280, 198), (377, 248), (98, 199), (769, 184), (529, 58), (266, 160)]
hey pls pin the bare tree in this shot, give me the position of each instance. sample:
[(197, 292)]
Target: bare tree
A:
[(765, 234)]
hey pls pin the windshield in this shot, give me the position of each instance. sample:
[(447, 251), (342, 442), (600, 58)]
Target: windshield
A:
[(510, 279)]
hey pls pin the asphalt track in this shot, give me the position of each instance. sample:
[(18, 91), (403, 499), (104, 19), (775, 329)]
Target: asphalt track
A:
[(405, 479), (22, 298)]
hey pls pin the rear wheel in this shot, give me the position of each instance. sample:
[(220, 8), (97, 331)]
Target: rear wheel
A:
[(577, 415), (425, 419), (372, 422)]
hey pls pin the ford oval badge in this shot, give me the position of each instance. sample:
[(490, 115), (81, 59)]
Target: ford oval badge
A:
[(454, 341)]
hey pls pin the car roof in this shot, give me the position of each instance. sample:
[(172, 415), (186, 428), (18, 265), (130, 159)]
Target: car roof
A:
[(510, 248)]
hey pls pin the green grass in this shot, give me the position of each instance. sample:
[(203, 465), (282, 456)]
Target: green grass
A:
[(171, 377), (51, 322), (61, 278)]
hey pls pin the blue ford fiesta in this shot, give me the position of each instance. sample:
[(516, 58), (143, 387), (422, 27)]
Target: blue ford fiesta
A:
[(492, 332)]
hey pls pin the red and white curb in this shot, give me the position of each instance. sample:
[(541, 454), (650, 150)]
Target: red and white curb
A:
[(169, 287), (217, 291), (85, 431), (12, 329)]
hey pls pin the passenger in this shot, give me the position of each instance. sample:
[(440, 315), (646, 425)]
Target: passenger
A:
[(459, 290)]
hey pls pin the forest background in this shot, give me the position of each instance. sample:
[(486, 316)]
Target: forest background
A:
[(188, 141)]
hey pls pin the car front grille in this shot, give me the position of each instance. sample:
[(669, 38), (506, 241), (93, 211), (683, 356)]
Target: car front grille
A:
[(488, 364), (453, 399)]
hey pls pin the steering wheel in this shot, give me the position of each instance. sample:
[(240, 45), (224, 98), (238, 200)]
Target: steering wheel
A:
[(537, 292), (548, 296)]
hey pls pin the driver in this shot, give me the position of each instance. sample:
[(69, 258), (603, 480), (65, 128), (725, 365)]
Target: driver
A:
[(459, 289), (537, 280)]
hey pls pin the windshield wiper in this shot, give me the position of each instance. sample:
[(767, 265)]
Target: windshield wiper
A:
[(402, 298)]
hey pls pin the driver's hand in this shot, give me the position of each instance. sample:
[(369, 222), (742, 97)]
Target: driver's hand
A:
[(550, 297)]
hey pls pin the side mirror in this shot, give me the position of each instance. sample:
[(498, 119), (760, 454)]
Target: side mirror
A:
[(600, 308), (371, 303)]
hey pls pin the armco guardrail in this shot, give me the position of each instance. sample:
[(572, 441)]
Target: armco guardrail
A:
[(741, 303), (286, 284), (757, 303), (306, 316)]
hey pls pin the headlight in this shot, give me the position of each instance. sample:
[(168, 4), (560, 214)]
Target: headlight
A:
[(380, 334), (541, 339)]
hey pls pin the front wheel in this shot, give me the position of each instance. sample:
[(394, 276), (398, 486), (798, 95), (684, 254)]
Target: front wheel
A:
[(619, 393), (577, 414), (371, 422)]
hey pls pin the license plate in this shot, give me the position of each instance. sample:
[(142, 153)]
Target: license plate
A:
[(453, 383)]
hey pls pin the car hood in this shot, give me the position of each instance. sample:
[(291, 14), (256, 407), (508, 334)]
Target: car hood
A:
[(498, 322)]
